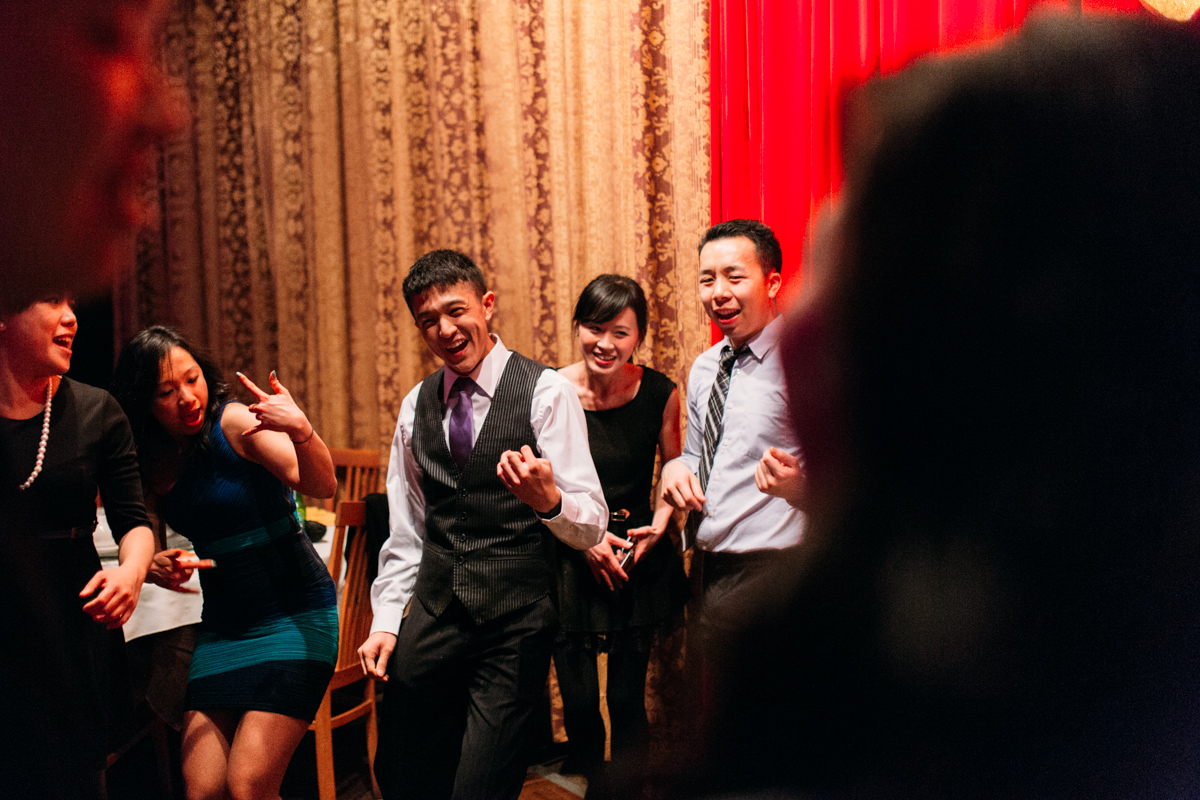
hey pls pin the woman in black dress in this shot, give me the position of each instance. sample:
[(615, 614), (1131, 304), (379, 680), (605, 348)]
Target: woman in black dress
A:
[(60, 441), (616, 596)]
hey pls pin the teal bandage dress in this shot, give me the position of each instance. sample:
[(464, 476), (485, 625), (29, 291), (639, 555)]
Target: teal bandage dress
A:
[(268, 633)]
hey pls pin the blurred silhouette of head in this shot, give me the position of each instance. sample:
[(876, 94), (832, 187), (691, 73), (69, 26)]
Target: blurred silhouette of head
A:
[(85, 107), (996, 388)]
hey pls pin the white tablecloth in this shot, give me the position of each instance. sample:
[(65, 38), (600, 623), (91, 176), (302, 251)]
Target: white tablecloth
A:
[(160, 609)]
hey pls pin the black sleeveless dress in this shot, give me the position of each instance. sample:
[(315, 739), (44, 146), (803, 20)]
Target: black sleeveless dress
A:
[(64, 694), (623, 442)]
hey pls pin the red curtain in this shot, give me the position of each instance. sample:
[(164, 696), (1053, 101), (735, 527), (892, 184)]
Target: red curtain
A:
[(779, 71)]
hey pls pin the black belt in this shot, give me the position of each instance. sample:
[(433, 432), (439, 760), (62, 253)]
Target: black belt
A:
[(78, 532), (749, 558)]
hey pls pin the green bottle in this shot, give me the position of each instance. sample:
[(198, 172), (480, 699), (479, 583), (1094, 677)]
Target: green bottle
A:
[(301, 515)]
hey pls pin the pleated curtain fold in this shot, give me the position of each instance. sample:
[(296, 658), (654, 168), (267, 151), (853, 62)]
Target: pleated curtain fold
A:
[(336, 141)]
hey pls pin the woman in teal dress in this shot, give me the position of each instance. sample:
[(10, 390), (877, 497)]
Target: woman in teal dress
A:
[(222, 474)]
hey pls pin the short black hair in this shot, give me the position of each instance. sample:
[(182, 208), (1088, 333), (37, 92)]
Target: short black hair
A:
[(608, 295), (441, 269), (770, 254), (135, 382)]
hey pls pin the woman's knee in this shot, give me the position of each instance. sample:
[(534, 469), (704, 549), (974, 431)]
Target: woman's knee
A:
[(207, 787), (250, 784), (204, 764)]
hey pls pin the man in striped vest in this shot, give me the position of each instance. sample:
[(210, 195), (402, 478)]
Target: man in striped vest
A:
[(490, 457)]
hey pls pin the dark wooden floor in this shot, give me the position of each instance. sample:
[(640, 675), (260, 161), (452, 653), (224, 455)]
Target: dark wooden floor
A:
[(134, 777), (540, 784)]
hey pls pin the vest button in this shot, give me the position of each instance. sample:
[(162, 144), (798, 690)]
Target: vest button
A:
[(462, 560)]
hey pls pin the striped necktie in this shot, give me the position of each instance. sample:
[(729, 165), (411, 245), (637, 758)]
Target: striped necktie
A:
[(713, 429)]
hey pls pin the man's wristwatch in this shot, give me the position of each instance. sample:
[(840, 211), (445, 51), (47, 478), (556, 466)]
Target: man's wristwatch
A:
[(554, 512)]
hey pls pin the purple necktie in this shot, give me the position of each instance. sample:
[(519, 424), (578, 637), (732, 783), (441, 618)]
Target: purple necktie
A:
[(461, 423)]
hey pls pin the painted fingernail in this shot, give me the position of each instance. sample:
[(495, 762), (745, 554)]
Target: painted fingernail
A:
[(273, 373), (240, 375)]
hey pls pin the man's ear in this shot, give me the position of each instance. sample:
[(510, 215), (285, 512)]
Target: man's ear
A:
[(774, 283), (488, 301)]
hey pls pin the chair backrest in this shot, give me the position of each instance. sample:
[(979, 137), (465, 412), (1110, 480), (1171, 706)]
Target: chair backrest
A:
[(357, 473), (354, 606)]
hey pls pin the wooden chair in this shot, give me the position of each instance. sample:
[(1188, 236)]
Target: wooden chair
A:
[(357, 473), (354, 624)]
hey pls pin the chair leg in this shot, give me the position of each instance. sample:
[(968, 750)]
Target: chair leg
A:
[(323, 734), (372, 737)]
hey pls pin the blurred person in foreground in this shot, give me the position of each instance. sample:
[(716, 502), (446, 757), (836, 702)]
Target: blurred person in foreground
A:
[(995, 384), (84, 107)]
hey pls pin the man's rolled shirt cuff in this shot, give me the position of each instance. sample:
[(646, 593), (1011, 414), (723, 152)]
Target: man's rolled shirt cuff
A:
[(388, 619), (568, 526)]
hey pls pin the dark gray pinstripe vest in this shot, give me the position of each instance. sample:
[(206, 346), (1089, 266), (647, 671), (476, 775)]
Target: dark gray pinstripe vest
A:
[(482, 544)]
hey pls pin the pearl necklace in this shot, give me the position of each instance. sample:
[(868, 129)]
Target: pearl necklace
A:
[(41, 456)]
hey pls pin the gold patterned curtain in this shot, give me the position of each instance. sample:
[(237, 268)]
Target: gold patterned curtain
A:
[(335, 141)]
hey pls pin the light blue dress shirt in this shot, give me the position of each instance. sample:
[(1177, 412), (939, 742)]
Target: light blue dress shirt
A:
[(738, 517)]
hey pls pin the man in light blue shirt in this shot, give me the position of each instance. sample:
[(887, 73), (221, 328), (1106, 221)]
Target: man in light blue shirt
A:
[(740, 475)]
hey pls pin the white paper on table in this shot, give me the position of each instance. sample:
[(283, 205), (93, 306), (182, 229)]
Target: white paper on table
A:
[(158, 609)]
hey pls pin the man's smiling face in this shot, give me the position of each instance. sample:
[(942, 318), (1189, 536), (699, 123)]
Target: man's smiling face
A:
[(737, 295), (453, 321)]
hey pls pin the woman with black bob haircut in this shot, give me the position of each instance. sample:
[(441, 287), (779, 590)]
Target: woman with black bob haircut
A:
[(618, 595), (606, 297), (222, 474)]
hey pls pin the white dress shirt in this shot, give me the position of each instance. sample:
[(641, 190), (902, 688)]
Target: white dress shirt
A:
[(738, 517), (560, 429)]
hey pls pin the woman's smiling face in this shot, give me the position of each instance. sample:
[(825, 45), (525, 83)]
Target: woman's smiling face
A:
[(37, 340), (607, 346)]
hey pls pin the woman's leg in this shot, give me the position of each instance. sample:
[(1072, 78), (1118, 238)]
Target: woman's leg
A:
[(579, 684), (262, 748), (207, 736), (628, 660)]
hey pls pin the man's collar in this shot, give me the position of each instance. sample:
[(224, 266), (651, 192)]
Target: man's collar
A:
[(490, 370), (763, 341)]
